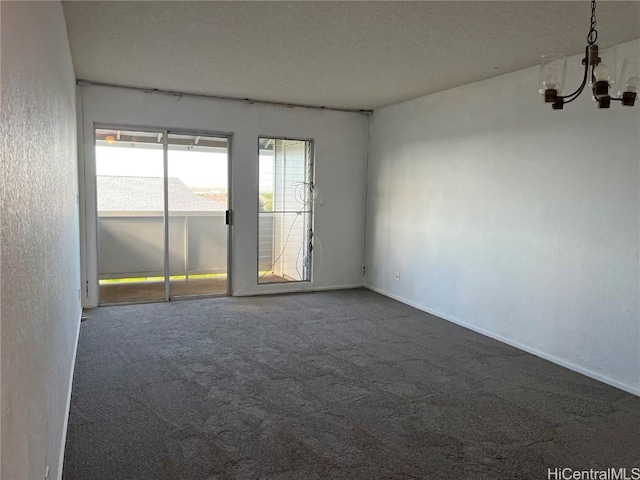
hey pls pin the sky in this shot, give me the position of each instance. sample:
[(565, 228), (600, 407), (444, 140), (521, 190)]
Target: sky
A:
[(198, 170)]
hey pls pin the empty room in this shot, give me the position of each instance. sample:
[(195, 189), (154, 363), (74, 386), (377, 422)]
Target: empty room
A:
[(320, 240)]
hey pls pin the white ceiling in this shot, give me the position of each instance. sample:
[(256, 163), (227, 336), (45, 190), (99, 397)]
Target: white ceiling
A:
[(335, 54)]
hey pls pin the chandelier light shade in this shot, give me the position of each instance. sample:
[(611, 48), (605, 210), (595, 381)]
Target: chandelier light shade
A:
[(630, 78), (552, 72), (599, 74)]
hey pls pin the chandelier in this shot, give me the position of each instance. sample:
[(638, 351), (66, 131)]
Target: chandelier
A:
[(599, 72)]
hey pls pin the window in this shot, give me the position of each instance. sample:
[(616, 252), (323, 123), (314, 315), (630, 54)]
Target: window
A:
[(285, 210)]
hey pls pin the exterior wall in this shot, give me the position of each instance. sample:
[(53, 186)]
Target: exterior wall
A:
[(515, 220), (340, 141), (40, 250)]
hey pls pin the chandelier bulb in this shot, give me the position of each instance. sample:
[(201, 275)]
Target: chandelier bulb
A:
[(632, 84), (601, 73)]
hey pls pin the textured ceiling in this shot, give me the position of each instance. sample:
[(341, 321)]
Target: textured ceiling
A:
[(334, 54)]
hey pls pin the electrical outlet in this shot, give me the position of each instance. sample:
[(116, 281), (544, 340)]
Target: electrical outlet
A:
[(398, 276)]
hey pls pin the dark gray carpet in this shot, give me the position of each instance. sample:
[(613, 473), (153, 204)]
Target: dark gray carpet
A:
[(335, 385)]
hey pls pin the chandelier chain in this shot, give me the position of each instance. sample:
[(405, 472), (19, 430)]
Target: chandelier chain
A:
[(593, 33)]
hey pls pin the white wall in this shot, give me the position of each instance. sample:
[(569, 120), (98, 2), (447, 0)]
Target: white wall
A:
[(340, 147), (40, 252), (513, 219)]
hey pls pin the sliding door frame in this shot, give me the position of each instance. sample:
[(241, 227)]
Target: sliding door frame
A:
[(203, 133), (91, 208)]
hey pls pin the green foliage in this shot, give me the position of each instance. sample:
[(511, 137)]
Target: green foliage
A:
[(266, 202)]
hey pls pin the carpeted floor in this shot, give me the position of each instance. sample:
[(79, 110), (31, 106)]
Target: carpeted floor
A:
[(333, 385)]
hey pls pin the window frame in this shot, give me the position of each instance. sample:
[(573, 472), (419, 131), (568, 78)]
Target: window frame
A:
[(310, 233)]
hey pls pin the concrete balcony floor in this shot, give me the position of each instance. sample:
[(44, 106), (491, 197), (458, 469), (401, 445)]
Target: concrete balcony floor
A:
[(147, 291)]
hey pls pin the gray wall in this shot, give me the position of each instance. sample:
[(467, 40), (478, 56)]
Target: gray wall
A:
[(40, 253), (515, 220)]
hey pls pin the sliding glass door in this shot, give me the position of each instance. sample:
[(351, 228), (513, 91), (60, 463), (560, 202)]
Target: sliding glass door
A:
[(198, 201), (130, 204), (162, 199)]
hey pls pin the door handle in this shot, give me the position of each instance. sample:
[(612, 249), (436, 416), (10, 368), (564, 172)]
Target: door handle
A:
[(228, 218)]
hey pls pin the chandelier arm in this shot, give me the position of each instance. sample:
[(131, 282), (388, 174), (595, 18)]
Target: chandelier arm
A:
[(591, 40), (570, 98), (577, 93)]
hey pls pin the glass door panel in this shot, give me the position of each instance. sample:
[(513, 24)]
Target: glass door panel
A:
[(130, 208), (198, 199)]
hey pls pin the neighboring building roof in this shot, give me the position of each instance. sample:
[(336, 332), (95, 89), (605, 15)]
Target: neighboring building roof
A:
[(146, 194)]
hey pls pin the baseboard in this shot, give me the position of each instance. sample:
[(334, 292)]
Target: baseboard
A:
[(518, 345), (68, 407), (293, 289), (336, 287)]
